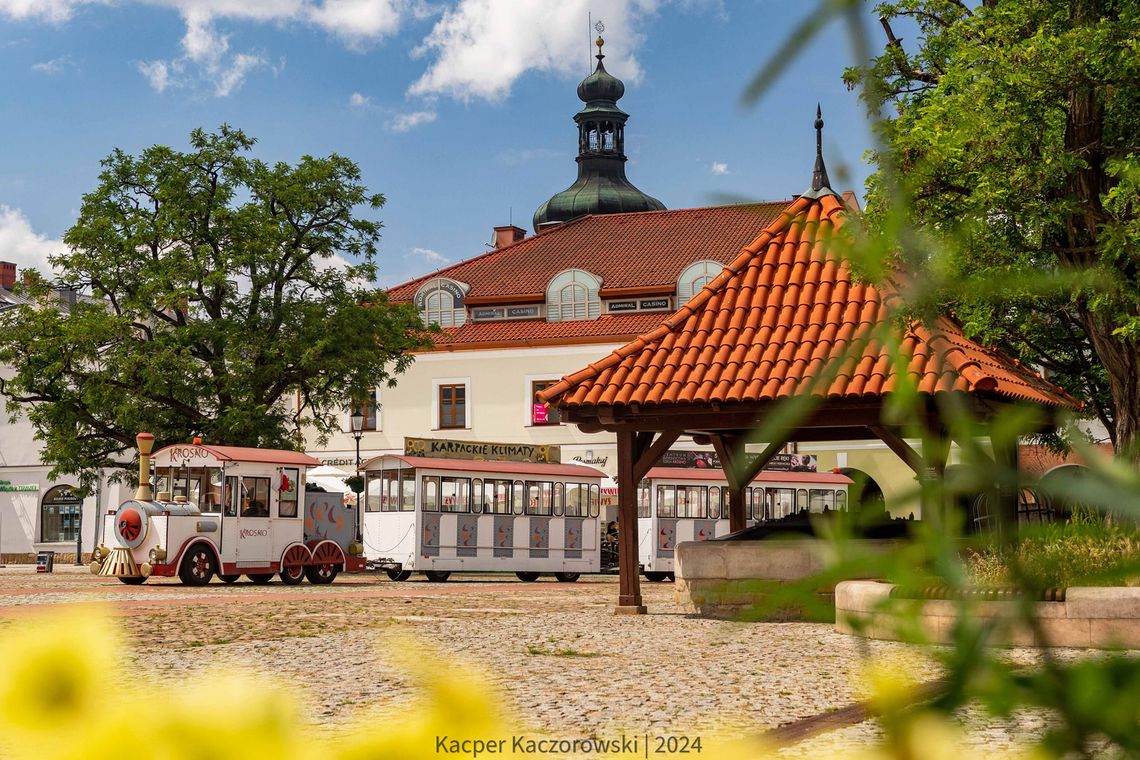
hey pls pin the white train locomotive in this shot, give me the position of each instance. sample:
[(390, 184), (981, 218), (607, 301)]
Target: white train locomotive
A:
[(228, 511)]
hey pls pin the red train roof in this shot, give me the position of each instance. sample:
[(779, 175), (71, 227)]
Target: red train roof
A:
[(765, 476)]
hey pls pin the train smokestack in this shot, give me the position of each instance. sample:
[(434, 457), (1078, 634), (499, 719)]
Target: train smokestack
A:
[(145, 442)]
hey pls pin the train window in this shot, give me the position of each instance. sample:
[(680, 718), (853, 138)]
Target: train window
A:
[(666, 501), (783, 503), (714, 502), (214, 491), (288, 490), (518, 497), (821, 499), (538, 498), (595, 500), (801, 500), (477, 496), (692, 501), (376, 491), (455, 494), (229, 496), (254, 497), (559, 499), (497, 496), (841, 500), (162, 482), (577, 498), (429, 499), (643, 500), (408, 491)]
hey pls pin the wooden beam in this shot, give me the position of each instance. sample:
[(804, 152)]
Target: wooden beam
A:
[(650, 454), (731, 453), (901, 448), (629, 581)]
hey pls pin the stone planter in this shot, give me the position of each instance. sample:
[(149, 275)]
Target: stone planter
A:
[(1096, 617), (727, 579)]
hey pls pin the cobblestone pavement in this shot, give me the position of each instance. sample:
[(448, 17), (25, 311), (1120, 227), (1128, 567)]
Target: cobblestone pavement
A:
[(563, 662)]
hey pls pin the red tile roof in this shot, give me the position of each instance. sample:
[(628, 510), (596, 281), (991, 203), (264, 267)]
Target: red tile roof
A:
[(771, 324), (633, 250)]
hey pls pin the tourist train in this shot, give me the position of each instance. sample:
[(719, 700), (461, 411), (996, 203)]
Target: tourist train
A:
[(440, 515), (676, 504), (228, 511)]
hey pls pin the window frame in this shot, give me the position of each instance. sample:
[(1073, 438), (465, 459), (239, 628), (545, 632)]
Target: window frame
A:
[(553, 414), (438, 384)]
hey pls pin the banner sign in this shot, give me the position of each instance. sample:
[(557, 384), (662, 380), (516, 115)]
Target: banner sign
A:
[(482, 451), (709, 460)]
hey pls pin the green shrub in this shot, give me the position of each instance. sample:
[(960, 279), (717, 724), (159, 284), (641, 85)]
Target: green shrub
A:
[(1085, 551)]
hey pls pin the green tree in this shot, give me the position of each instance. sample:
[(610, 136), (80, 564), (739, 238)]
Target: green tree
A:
[(1015, 128), (214, 297)]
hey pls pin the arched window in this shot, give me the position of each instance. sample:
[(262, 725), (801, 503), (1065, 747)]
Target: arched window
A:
[(573, 294), (695, 277), (440, 301)]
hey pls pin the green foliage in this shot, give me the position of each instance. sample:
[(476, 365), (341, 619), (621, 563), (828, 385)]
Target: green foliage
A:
[(216, 297), (1080, 552), (1013, 141)]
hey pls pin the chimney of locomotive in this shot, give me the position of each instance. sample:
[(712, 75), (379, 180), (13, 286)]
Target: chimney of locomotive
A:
[(145, 442)]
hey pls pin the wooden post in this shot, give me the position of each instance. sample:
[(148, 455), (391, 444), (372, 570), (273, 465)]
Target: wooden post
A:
[(736, 519), (1007, 486), (629, 571)]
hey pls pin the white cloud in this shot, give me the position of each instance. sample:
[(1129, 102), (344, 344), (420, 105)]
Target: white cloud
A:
[(482, 46), (519, 156), (719, 167), (54, 66), (231, 78), (405, 122), (55, 11), (357, 21), (357, 100), (157, 73), (430, 256), (22, 245)]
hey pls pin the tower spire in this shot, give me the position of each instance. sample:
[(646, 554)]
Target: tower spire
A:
[(820, 184)]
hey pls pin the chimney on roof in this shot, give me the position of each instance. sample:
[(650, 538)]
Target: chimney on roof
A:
[(508, 235), (7, 275)]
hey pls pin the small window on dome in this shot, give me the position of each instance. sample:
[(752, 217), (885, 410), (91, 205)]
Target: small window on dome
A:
[(440, 301), (695, 277), (572, 295)]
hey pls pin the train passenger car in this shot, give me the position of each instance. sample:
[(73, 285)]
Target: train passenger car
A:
[(691, 504), (439, 516), (228, 511)]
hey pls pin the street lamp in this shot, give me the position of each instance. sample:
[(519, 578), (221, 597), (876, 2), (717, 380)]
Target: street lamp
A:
[(357, 432)]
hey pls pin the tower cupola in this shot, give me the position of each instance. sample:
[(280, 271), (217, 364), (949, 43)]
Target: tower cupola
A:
[(601, 187)]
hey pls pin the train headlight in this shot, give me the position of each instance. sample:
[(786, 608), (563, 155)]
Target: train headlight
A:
[(145, 569), (157, 554)]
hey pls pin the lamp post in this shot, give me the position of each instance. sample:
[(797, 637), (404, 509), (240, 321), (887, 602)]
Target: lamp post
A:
[(357, 433)]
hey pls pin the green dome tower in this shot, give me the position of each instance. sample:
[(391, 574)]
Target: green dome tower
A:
[(601, 187)]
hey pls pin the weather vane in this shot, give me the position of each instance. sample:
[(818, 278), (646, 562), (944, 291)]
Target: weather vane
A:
[(599, 27)]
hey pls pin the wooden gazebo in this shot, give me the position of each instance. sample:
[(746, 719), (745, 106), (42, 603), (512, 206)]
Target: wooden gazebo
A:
[(785, 329)]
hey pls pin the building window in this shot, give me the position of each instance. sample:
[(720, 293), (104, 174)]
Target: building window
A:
[(59, 514), (370, 408), (540, 413), (695, 277), (573, 295), (440, 301), (452, 406)]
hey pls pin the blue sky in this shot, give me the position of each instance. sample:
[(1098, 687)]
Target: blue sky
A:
[(459, 111)]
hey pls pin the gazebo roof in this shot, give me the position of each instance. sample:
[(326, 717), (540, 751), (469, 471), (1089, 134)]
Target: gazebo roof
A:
[(773, 324)]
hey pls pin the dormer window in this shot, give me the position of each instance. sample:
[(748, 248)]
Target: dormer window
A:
[(695, 277), (440, 301), (573, 294)]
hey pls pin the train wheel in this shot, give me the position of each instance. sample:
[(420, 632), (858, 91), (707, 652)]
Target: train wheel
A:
[(228, 578), (527, 576), (670, 577), (656, 577), (197, 566), (321, 574), (260, 578), (133, 580), (399, 575), (437, 576), (567, 577), (291, 576)]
